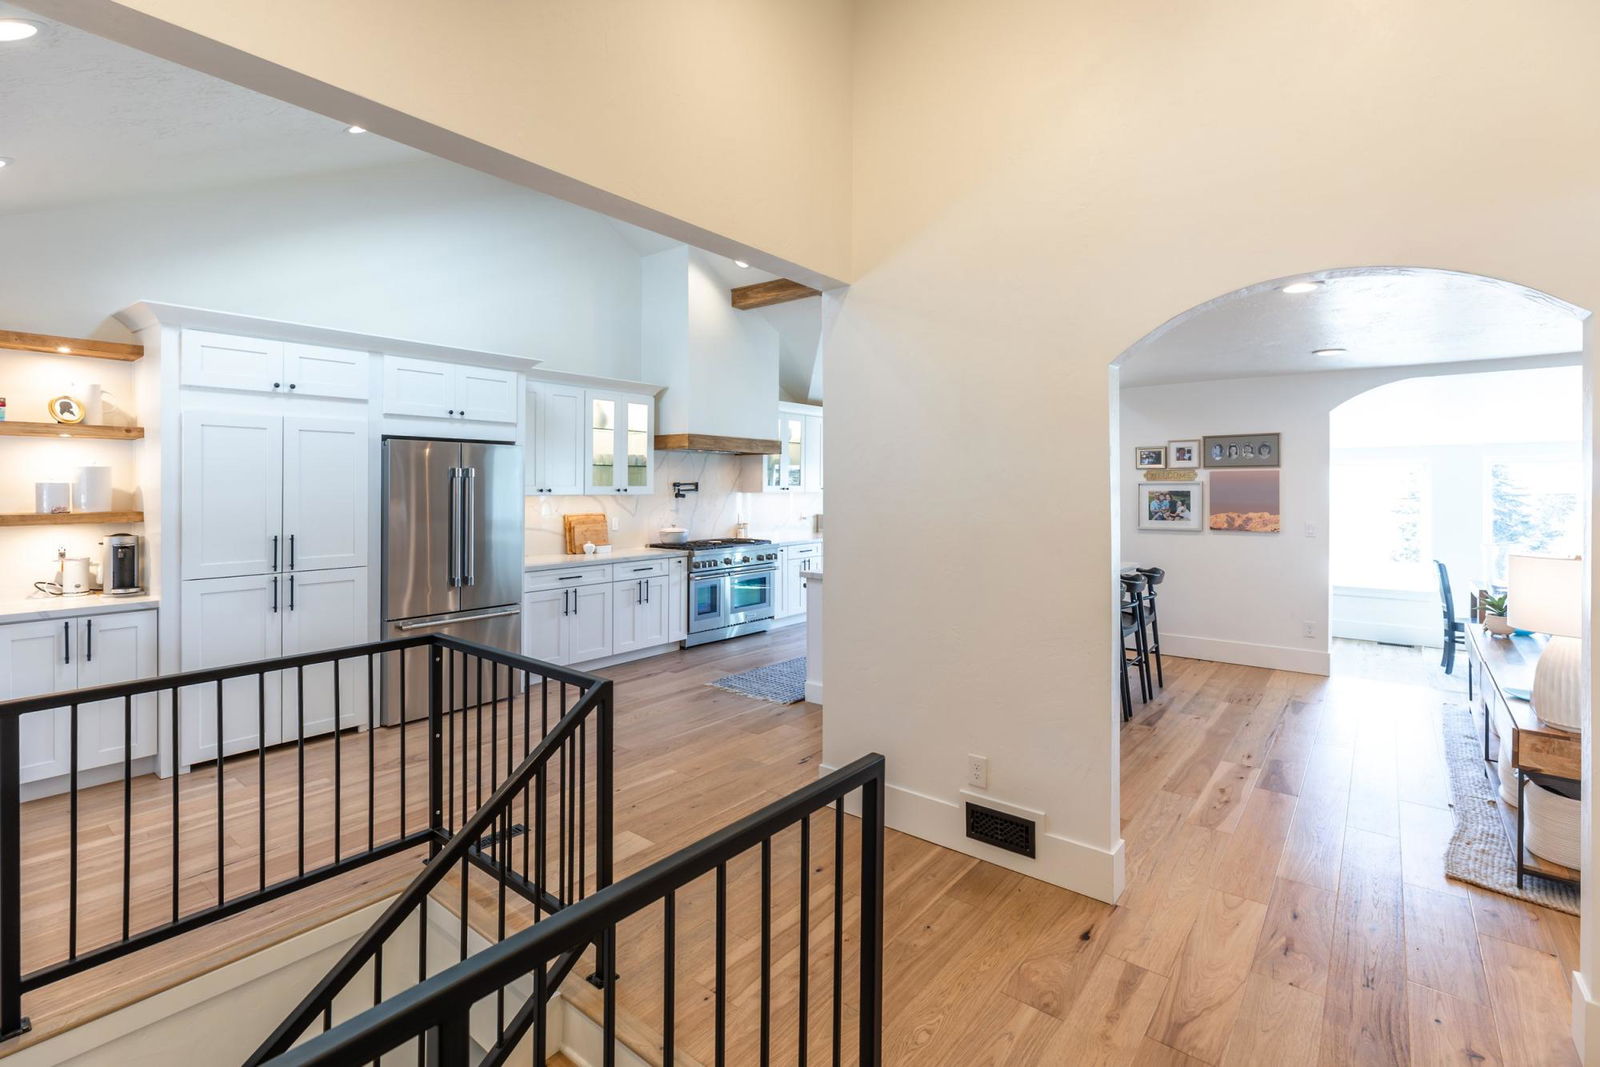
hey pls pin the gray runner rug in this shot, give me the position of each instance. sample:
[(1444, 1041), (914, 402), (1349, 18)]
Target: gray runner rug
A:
[(1479, 851), (781, 683)]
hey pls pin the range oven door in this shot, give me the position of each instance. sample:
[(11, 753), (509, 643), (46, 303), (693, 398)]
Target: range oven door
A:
[(751, 595), (708, 603)]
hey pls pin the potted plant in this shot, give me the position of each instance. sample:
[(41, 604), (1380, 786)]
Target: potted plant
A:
[(1494, 615)]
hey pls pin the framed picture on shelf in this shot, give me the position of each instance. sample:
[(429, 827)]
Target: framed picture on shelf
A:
[(1149, 457), (1242, 450), (1171, 505), (1183, 455)]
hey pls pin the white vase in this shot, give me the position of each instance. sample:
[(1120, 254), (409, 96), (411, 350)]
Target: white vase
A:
[(92, 489), (52, 498)]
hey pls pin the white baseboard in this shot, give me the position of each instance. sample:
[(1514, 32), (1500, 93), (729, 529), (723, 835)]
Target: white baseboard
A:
[(814, 692), (627, 657), (788, 620), (1386, 632), (1585, 1021), (1082, 868), (1271, 657)]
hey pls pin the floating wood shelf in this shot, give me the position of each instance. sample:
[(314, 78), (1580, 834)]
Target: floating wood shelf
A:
[(765, 294), (69, 346), (76, 518), (65, 429)]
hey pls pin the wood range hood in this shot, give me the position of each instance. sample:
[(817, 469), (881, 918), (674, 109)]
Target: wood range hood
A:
[(706, 442)]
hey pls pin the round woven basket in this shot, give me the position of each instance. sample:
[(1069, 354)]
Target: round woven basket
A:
[(1553, 829), (1508, 777)]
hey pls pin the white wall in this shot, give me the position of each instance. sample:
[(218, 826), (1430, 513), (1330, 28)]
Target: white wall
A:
[(1244, 597), (427, 251)]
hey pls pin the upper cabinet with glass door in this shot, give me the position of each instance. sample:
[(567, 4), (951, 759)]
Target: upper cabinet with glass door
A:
[(797, 468), (621, 440)]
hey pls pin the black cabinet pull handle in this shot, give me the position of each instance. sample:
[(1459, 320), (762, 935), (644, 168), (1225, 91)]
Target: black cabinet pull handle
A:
[(274, 551), (291, 551), (88, 640), (66, 641), (274, 596), (291, 592), (291, 385)]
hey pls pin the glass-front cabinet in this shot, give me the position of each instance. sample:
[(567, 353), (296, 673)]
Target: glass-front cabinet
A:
[(797, 468), (621, 440)]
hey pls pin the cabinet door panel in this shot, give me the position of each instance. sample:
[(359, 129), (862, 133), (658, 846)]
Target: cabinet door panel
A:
[(813, 475), (111, 649), (418, 387), (227, 621), (619, 443), (315, 370), (589, 625), (221, 361), (678, 608), (323, 610), (486, 395), (232, 493), (544, 616), (34, 659), (325, 508), (555, 433)]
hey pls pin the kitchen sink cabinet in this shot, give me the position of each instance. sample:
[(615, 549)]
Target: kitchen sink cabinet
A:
[(793, 562), (568, 625), (48, 656), (641, 614)]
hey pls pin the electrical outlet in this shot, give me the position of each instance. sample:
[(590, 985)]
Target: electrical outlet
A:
[(1309, 629), (616, 524), (978, 771)]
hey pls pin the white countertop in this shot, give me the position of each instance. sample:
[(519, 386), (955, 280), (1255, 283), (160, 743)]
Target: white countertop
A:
[(617, 555), (41, 607)]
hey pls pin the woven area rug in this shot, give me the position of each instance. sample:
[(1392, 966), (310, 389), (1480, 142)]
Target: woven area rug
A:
[(781, 683), (1479, 851)]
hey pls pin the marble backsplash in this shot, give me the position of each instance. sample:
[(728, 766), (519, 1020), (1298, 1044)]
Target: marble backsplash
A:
[(712, 512)]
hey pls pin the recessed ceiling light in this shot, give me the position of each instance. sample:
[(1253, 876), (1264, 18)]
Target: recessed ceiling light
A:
[(17, 30), (1328, 351), (64, 350), (741, 264), (1302, 287), (355, 129)]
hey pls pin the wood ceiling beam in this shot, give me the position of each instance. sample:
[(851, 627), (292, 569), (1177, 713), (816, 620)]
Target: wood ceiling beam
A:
[(765, 294)]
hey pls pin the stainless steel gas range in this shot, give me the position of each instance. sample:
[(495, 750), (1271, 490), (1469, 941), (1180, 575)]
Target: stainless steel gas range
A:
[(732, 585)]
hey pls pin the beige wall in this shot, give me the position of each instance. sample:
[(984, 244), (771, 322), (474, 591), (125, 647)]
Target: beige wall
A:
[(722, 122)]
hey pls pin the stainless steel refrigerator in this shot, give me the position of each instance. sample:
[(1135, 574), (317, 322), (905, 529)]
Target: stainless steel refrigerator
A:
[(452, 555)]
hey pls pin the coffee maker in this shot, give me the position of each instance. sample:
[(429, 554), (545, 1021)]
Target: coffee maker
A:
[(119, 566)]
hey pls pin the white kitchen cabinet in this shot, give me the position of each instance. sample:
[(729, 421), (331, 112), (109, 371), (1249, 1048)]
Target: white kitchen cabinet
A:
[(78, 653), (317, 370), (232, 520), (325, 506), (227, 621), (813, 454), (265, 493), (247, 364), (797, 468), (109, 649), (567, 625), (641, 614), (620, 443), (323, 610), (554, 462), (678, 589), (424, 388), (794, 561)]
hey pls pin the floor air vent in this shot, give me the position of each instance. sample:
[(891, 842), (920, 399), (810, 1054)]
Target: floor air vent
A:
[(1010, 832)]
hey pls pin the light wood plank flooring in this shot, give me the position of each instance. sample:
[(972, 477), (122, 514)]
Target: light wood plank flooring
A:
[(1284, 900)]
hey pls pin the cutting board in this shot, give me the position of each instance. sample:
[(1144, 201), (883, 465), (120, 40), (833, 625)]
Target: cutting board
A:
[(582, 528)]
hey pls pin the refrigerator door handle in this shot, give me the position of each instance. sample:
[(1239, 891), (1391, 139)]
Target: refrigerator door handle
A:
[(423, 624), (469, 540), (453, 549)]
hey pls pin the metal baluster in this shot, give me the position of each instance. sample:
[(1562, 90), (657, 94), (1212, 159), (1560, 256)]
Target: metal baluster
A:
[(127, 813), (436, 753), (300, 757), (372, 764), (871, 937), (477, 747), (504, 848), (261, 775), (766, 951), (605, 787), (221, 804), (377, 953), (422, 967), (494, 726), (466, 875), (72, 836), (338, 760), (608, 951), (527, 747), (12, 1021), (541, 1000), (669, 976), (721, 978), (403, 738), (583, 806), (449, 711), (540, 879), (804, 1001), (177, 776), (454, 1043), (838, 930)]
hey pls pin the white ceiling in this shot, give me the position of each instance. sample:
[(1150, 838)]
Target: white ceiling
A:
[(85, 119), (1382, 316)]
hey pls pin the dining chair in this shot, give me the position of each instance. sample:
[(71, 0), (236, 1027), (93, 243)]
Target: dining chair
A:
[(1455, 631)]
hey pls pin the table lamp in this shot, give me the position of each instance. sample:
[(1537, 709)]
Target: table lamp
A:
[(1545, 594)]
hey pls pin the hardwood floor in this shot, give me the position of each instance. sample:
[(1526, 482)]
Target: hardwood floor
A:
[(1284, 901)]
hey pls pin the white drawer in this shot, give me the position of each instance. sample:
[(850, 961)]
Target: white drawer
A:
[(565, 578), (800, 551), (639, 568)]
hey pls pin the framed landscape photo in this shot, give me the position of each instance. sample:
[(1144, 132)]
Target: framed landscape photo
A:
[(1245, 501), (1242, 450), (1171, 505), (1183, 455), (1149, 457)]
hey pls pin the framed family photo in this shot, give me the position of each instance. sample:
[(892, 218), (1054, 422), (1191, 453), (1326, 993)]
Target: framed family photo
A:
[(1171, 505), (1243, 450), (1149, 457), (1183, 455)]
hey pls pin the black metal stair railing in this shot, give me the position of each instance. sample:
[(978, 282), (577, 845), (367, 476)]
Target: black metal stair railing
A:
[(528, 844), (123, 861), (441, 1018)]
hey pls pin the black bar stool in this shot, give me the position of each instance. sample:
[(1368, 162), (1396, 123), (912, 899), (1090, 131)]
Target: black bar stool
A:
[(1133, 594), (1153, 576)]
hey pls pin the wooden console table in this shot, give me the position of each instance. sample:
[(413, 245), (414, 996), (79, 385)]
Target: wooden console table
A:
[(1500, 671)]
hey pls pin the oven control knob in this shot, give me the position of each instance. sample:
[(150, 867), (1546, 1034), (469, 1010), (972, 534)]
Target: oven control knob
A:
[(744, 559), (726, 560)]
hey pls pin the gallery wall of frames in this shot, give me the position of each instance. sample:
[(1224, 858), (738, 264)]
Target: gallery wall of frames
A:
[(1227, 483)]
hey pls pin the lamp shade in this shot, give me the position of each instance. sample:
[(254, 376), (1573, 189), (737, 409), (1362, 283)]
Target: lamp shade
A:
[(1545, 594)]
